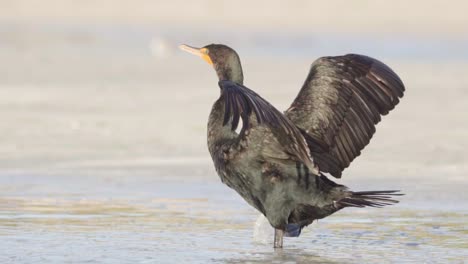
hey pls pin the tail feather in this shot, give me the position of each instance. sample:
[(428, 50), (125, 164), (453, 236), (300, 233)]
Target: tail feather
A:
[(370, 198)]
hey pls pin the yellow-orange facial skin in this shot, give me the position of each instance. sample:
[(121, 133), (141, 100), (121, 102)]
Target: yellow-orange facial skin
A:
[(205, 56)]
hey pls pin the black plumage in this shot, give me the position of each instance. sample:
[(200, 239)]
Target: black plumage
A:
[(339, 105), (241, 102), (276, 162)]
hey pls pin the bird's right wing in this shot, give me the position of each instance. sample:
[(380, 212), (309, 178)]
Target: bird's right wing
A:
[(280, 138), (339, 105)]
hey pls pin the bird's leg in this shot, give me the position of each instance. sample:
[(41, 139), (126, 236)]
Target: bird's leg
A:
[(278, 243)]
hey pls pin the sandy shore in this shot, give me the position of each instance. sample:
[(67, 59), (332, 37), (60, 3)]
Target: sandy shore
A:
[(77, 95), (380, 17)]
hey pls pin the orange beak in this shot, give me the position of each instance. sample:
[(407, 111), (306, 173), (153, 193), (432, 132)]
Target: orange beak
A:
[(200, 52)]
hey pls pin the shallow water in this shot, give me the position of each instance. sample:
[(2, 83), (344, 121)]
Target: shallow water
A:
[(128, 218)]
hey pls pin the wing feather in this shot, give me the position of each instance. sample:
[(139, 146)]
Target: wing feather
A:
[(241, 102), (341, 101)]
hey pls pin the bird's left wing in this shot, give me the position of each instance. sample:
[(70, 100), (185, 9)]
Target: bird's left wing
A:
[(242, 103), (341, 101)]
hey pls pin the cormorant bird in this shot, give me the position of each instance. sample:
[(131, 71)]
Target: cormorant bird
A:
[(277, 161)]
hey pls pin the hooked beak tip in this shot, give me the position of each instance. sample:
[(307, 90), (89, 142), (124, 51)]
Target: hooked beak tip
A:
[(182, 46)]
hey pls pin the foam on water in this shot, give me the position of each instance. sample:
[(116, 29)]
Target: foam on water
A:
[(263, 232)]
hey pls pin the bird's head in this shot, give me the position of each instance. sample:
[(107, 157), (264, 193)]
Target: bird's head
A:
[(224, 60)]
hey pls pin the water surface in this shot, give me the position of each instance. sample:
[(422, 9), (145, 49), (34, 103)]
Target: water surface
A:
[(128, 218)]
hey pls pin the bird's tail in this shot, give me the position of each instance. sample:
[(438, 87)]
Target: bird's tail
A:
[(353, 199), (370, 198)]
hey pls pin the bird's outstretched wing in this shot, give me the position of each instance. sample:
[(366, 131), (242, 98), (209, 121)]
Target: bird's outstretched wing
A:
[(339, 105), (243, 103)]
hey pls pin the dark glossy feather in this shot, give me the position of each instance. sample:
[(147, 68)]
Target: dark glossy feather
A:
[(369, 198), (241, 102), (339, 105)]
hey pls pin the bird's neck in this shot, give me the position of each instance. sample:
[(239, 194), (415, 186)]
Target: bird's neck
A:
[(230, 71)]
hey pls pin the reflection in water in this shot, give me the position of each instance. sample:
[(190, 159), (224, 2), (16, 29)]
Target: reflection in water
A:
[(282, 256)]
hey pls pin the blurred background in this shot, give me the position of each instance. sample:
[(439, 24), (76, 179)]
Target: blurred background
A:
[(103, 132)]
